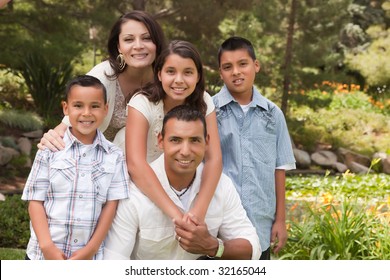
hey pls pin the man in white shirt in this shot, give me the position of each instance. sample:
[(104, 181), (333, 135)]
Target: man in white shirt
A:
[(141, 230)]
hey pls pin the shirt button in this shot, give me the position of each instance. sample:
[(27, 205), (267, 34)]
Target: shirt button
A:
[(84, 155), (80, 196), (78, 219), (82, 174), (103, 169), (240, 116), (75, 241)]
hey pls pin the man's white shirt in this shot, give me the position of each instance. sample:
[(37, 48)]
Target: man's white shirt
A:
[(142, 231)]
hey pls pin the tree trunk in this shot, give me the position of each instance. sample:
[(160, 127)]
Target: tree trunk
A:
[(288, 56)]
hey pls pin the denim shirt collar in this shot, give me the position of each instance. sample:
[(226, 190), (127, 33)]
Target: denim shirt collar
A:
[(257, 98)]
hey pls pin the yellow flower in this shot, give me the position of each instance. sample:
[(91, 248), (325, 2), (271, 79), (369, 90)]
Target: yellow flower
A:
[(327, 198)]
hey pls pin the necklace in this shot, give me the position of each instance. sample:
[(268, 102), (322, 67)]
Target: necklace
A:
[(181, 193)]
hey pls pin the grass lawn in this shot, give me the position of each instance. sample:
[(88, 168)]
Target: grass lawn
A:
[(12, 254)]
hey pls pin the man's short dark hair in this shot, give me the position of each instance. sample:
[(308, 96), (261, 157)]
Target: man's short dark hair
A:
[(236, 43), (85, 81), (184, 113)]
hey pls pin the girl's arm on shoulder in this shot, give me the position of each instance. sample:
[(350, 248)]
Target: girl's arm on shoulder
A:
[(212, 169), (53, 138), (140, 171)]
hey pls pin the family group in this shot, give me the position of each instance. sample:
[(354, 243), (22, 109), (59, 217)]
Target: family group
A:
[(147, 165)]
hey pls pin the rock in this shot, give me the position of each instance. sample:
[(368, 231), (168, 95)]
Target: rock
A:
[(302, 158), (6, 155), (324, 158), (340, 167), (28, 163), (358, 168), (2, 197), (381, 155), (323, 146), (37, 134), (24, 145), (349, 156), (386, 165)]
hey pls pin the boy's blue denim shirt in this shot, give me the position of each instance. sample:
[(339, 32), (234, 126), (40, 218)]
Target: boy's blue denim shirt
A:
[(253, 146)]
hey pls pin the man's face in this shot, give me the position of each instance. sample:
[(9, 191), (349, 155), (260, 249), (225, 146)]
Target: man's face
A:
[(184, 147)]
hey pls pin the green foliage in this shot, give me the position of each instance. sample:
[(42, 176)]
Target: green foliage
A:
[(372, 63), (14, 222), (12, 254), (314, 99), (349, 120), (13, 93), (25, 121), (46, 82), (353, 100), (343, 217)]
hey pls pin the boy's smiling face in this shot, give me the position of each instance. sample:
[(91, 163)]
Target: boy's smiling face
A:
[(86, 110), (238, 71)]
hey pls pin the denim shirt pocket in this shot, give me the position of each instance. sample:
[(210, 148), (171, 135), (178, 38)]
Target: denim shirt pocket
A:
[(102, 176), (223, 114), (263, 141), (61, 175)]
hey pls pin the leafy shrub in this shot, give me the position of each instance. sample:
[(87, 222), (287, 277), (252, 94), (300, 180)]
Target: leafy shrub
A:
[(314, 99), (14, 222), (46, 82), (357, 129), (344, 217), (13, 93), (353, 100), (26, 121)]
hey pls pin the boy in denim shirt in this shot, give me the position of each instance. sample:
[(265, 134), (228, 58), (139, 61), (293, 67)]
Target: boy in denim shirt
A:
[(255, 142), (73, 193)]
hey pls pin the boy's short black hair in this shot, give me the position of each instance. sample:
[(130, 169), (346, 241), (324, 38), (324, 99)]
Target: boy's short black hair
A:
[(85, 81), (184, 113), (235, 43)]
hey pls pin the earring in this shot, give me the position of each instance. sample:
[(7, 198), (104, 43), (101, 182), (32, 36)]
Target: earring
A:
[(121, 61)]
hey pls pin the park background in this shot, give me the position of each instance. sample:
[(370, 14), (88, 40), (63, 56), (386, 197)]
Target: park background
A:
[(325, 63)]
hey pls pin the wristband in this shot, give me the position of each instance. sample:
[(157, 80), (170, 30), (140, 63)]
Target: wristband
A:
[(220, 250)]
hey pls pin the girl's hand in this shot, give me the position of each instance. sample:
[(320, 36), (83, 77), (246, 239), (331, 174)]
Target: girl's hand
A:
[(190, 218)]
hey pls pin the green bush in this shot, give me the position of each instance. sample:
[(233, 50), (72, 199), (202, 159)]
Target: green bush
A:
[(13, 92), (14, 222), (46, 82), (360, 130), (25, 121), (314, 99), (346, 217)]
